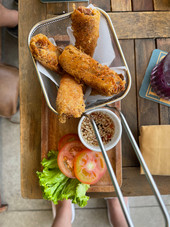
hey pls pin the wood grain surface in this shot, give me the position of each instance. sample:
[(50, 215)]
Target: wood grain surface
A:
[(30, 101), (60, 8), (161, 5), (135, 184), (141, 32), (51, 132), (103, 4), (132, 25), (124, 5), (142, 5), (57, 8), (143, 51), (129, 106), (140, 24)]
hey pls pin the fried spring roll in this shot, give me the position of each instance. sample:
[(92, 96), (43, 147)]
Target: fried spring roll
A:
[(45, 52), (85, 69), (69, 100), (85, 26), (70, 94)]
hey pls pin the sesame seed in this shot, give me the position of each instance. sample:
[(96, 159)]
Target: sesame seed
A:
[(104, 124)]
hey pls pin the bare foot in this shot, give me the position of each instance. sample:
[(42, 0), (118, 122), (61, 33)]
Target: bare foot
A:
[(9, 18), (63, 214), (116, 214)]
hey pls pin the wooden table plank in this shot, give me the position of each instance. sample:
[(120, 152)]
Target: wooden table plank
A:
[(103, 4), (60, 8), (148, 112), (30, 101), (121, 5), (164, 44), (57, 8), (142, 5), (135, 184), (161, 4), (141, 24), (129, 106)]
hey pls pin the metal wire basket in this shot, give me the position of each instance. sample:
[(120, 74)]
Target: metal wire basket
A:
[(56, 28)]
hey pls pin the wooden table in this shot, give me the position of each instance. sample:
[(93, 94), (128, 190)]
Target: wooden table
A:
[(141, 26)]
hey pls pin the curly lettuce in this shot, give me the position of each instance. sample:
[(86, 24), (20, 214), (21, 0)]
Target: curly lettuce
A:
[(56, 186)]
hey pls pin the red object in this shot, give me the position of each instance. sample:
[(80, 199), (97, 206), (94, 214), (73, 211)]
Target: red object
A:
[(67, 138), (3, 207), (160, 78), (66, 157), (89, 166)]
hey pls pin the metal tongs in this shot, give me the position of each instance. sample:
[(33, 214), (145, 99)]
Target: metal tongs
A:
[(142, 162)]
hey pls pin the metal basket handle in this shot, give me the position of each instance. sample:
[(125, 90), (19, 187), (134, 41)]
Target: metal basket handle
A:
[(142, 162)]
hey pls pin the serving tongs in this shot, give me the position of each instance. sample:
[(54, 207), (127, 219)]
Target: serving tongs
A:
[(142, 162)]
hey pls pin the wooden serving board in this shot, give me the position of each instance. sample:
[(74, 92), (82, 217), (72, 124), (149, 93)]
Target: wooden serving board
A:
[(52, 130)]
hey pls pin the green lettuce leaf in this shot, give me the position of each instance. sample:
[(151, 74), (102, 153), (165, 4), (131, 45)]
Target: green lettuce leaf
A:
[(56, 186)]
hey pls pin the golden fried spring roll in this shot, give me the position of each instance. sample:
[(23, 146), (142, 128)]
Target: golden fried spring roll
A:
[(69, 100), (85, 26), (87, 70), (70, 94), (45, 52)]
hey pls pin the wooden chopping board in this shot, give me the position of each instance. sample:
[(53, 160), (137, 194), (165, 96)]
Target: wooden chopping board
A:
[(52, 130)]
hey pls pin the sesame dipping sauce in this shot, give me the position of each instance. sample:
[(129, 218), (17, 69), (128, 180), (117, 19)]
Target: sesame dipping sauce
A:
[(104, 124)]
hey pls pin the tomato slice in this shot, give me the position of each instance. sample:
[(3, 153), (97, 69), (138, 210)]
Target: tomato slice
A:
[(66, 157), (67, 138), (89, 166)]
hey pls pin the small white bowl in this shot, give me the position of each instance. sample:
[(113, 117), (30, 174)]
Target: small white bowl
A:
[(117, 134)]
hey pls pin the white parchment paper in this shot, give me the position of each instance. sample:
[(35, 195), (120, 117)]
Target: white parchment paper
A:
[(104, 52)]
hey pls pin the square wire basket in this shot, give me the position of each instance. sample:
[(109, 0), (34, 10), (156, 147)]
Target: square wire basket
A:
[(56, 28)]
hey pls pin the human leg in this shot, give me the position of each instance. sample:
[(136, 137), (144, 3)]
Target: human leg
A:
[(63, 214), (115, 212), (9, 18)]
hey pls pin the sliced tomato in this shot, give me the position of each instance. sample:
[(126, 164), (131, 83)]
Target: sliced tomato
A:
[(89, 166), (66, 157), (67, 138)]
